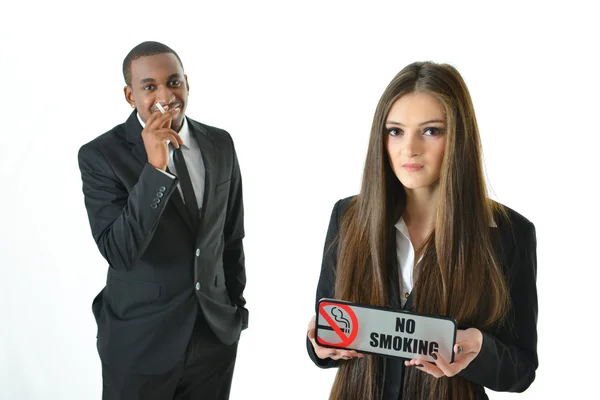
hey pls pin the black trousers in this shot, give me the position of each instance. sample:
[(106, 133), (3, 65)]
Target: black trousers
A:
[(204, 374)]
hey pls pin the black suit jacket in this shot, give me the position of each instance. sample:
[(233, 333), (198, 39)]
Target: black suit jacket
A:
[(163, 271), (508, 357)]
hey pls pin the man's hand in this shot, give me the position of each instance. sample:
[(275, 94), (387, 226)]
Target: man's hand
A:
[(156, 136)]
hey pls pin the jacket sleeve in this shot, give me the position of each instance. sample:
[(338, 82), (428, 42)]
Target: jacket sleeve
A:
[(233, 253), (508, 359), (123, 222), (326, 285)]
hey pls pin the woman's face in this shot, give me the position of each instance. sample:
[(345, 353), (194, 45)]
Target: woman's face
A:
[(415, 139)]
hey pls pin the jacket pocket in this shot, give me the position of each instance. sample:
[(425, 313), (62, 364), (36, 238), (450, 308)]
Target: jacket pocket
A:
[(132, 299)]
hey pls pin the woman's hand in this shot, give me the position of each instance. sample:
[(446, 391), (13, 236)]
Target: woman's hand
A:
[(324, 352), (467, 347)]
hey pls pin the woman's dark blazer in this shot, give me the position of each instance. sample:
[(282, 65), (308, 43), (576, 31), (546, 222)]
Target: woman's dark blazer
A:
[(508, 358)]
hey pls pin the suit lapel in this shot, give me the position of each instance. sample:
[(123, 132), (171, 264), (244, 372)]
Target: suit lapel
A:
[(208, 151), (393, 279), (409, 302), (133, 131)]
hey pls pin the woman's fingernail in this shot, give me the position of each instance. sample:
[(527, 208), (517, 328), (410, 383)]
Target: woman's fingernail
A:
[(346, 357), (434, 356), (459, 350)]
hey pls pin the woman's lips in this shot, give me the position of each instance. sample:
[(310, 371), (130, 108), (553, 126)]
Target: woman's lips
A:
[(411, 167)]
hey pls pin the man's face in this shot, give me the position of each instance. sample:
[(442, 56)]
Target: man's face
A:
[(158, 78)]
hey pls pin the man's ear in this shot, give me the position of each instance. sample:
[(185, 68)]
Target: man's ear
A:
[(187, 84), (129, 96)]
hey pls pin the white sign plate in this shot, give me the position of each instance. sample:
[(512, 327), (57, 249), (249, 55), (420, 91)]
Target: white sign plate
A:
[(384, 331)]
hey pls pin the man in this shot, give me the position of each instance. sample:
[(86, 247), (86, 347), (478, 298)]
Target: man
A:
[(164, 200)]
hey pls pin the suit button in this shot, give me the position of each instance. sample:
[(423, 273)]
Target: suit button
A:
[(197, 285), (197, 252), (153, 205), (156, 200), (162, 189), (159, 194)]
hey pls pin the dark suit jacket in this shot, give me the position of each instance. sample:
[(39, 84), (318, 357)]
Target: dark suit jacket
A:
[(508, 357), (162, 270)]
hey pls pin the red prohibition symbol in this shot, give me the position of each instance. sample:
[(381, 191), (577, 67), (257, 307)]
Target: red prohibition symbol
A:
[(345, 339)]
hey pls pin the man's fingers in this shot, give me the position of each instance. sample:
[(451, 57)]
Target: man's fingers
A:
[(165, 120), (168, 117), (169, 134), (173, 136), (160, 120), (157, 120), (152, 118), (174, 141)]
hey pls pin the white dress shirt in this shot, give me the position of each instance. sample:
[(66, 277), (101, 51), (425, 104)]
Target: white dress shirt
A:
[(193, 160), (406, 259)]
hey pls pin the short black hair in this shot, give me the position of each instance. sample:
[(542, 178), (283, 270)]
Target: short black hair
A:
[(142, 50)]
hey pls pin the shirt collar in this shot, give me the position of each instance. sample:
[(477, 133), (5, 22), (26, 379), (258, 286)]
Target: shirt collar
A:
[(402, 228), (184, 132)]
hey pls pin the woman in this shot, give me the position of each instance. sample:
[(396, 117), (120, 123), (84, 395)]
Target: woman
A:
[(423, 198)]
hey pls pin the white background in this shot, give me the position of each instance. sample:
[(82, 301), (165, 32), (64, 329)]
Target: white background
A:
[(296, 84)]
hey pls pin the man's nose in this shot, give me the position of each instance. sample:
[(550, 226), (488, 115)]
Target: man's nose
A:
[(164, 95)]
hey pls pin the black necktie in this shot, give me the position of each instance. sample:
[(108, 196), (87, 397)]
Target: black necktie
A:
[(186, 185)]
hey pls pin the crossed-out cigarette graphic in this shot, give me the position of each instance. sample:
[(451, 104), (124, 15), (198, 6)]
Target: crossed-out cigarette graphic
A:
[(338, 314)]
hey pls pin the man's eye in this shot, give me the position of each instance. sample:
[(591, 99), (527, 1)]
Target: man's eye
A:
[(176, 83), (149, 87)]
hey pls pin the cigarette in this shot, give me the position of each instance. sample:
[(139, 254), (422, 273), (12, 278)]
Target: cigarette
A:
[(160, 108)]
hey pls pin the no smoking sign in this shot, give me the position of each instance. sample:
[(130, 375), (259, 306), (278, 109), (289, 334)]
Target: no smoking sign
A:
[(384, 331)]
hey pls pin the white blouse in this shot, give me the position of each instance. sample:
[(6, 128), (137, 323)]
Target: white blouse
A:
[(406, 260)]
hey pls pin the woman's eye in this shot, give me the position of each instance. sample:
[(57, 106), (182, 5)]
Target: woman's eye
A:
[(394, 131), (432, 131)]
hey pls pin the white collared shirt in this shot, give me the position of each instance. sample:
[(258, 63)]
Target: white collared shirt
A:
[(406, 259), (193, 161), (405, 252)]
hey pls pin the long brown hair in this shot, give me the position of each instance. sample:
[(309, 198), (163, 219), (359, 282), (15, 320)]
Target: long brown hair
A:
[(459, 274)]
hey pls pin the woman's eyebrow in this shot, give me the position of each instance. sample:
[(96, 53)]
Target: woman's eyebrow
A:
[(431, 121)]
